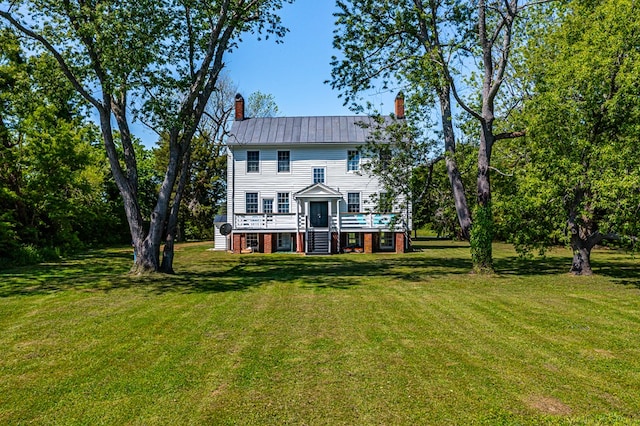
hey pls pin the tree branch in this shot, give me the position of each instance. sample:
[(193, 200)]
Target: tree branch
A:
[(63, 64), (510, 135)]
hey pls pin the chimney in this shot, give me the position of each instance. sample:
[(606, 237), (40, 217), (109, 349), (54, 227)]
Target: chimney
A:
[(400, 105), (239, 107)]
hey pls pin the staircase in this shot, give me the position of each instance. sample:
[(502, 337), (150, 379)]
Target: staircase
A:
[(318, 242)]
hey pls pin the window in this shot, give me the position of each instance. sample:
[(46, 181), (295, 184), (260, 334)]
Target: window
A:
[(318, 175), (267, 205), (283, 202), (251, 202), (386, 240), (252, 241), (353, 202), (284, 164), (353, 161), (385, 159), (253, 161), (284, 242), (353, 239), (385, 202)]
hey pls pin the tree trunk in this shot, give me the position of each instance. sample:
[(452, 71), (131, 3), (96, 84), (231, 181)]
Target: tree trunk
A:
[(583, 239), (455, 179), (147, 257), (172, 226), (482, 230), (147, 249), (581, 264)]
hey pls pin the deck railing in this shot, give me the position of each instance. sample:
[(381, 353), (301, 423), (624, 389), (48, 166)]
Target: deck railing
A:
[(348, 221), (265, 221), (370, 220)]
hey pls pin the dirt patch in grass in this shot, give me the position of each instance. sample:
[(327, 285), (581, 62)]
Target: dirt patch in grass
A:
[(604, 353), (548, 405)]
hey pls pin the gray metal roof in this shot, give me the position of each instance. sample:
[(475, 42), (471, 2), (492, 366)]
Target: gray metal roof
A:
[(292, 130)]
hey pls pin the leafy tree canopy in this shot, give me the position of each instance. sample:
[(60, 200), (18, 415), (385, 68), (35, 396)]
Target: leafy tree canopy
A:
[(581, 178)]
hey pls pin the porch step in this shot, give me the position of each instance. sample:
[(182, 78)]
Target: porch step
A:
[(318, 242)]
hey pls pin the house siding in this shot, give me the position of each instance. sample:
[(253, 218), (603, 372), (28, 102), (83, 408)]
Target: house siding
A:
[(303, 159), (312, 142)]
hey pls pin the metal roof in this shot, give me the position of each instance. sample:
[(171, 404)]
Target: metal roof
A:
[(304, 130)]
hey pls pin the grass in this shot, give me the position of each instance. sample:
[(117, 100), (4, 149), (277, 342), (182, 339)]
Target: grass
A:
[(348, 339)]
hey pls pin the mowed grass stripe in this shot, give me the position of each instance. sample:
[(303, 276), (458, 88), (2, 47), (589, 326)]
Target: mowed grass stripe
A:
[(353, 339)]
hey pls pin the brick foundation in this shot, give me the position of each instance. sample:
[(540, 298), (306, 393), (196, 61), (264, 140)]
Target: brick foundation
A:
[(399, 242), (269, 243), (368, 242), (334, 242), (300, 243), (237, 243)]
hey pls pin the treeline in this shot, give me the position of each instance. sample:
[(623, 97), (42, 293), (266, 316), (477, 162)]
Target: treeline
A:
[(57, 194), (523, 121), (522, 116)]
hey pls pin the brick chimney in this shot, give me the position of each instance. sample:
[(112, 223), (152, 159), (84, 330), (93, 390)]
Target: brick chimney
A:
[(399, 105), (239, 107)]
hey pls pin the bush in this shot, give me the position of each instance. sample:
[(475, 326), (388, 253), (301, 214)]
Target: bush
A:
[(29, 254)]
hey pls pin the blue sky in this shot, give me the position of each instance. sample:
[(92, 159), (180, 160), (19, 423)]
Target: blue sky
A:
[(294, 71)]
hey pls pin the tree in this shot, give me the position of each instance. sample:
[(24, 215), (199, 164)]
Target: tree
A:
[(206, 185), (261, 105), (51, 178), (392, 156), (421, 45), (495, 22), (389, 41), (392, 41), (581, 180), (156, 60)]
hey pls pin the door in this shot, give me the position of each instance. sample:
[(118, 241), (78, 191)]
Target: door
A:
[(319, 214)]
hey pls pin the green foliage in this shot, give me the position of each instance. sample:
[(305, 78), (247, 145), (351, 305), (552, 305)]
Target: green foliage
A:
[(438, 204), (206, 188), (386, 43), (580, 168), (481, 240), (52, 174), (393, 152), (157, 61), (261, 105)]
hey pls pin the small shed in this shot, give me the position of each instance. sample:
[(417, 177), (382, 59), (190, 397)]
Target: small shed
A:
[(220, 242)]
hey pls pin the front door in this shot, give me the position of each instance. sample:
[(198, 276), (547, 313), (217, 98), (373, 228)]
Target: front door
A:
[(319, 214)]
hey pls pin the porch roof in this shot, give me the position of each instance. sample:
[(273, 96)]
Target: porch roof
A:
[(317, 190)]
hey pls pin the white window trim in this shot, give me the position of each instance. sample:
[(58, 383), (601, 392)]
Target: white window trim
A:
[(359, 201), (259, 162), (277, 201), (245, 202), (247, 239), (278, 161), (359, 161), (262, 204), (313, 174)]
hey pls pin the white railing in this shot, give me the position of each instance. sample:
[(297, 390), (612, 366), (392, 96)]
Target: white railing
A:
[(265, 221), (284, 221), (370, 220)]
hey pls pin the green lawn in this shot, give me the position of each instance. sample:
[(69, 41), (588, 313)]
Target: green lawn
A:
[(349, 339)]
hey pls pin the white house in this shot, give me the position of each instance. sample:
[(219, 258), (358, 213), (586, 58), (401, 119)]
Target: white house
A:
[(297, 184)]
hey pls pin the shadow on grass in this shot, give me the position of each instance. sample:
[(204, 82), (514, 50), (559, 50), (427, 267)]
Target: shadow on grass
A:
[(621, 268), (107, 270)]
